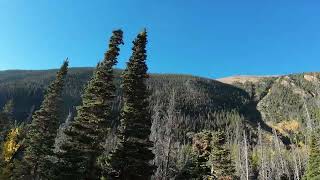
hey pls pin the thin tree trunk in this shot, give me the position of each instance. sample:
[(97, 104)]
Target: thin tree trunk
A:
[(168, 158), (246, 155)]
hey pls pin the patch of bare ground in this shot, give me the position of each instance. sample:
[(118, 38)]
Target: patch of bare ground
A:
[(242, 79)]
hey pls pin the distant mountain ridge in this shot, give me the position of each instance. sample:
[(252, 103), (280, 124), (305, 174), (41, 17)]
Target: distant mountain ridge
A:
[(266, 100)]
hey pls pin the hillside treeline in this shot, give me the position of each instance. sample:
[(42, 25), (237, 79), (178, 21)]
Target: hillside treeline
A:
[(103, 123)]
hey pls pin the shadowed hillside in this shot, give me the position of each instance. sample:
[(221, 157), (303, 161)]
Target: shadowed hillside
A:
[(196, 96), (282, 106)]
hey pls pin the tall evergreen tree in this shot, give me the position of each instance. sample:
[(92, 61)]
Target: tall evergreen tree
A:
[(313, 168), (43, 129), (130, 160), (210, 158), (197, 165), (86, 134), (220, 159)]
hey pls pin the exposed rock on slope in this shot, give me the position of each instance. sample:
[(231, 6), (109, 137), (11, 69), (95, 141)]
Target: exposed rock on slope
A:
[(290, 97), (242, 79)]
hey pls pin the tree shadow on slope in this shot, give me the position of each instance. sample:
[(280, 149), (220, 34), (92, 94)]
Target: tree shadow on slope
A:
[(232, 97), (199, 96), (254, 117)]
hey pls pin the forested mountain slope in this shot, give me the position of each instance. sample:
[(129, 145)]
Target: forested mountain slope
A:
[(288, 98), (195, 96), (285, 107), (277, 99)]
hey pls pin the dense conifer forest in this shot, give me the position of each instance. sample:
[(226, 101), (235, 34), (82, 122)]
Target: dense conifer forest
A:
[(104, 123)]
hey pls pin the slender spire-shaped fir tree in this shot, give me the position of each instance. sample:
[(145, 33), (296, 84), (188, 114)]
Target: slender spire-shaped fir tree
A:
[(43, 129), (86, 134), (131, 158), (313, 168), (220, 158)]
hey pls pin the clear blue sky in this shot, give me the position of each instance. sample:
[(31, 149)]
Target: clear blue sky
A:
[(211, 38)]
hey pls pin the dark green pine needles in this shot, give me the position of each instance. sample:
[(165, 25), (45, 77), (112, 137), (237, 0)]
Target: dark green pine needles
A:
[(43, 129), (86, 134), (210, 159), (313, 168), (130, 160), (221, 161)]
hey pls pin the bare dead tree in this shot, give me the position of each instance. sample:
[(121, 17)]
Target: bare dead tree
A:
[(166, 121), (246, 155), (263, 171)]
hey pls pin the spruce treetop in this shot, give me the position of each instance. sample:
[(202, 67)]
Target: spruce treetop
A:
[(86, 134), (43, 129), (131, 159)]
